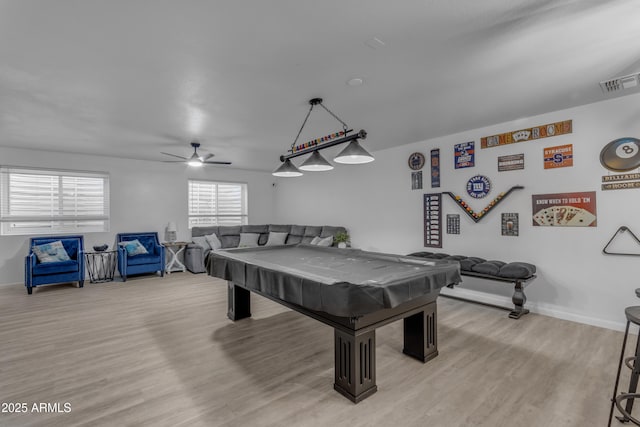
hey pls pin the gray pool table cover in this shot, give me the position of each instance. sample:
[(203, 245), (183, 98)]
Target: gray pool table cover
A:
[(341, 282)]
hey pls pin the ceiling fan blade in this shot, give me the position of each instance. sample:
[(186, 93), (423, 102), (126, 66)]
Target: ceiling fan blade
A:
[(207, 157), (173, 155), (217, 163), (173, 161)]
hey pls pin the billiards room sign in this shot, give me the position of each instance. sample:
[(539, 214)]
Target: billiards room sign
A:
[(621, 155), (623, 181)]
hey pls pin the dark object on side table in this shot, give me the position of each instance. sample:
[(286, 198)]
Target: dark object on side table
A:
[(38, 273), (100, 248)]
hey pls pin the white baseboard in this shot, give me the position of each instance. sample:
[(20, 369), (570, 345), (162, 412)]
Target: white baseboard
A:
[(10, 284), (550, 310)]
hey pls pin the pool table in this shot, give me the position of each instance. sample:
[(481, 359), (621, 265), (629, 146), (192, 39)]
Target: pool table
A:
[(353, 291)]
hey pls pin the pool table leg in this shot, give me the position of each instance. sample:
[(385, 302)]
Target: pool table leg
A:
[(355, 364), (421, 334), (239, 302)]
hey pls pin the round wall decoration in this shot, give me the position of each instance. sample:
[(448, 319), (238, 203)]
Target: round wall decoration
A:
[(478, 186), (621, 155), (416, 161)]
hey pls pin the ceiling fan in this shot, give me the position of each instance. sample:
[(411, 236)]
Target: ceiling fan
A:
[(195, 160)]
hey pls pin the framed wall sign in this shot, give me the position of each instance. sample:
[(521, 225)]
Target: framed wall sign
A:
[(510, 224), (478, 186), (433, 220), (464, 155), (416, 180), (416, 161), (453, 224), (564, 209), (536, 132), (558, 157), (511, 163), (435, 168)]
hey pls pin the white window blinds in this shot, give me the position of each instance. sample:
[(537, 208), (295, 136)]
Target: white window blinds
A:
[(217, 203), (38, 201)]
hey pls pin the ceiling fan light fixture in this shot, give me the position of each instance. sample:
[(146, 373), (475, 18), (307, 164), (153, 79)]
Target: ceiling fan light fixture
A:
[(195, 161), (354, 154), (316, 163), (287, 170)]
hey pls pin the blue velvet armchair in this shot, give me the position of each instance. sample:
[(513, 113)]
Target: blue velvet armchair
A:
[(48, 269), (150, 262)]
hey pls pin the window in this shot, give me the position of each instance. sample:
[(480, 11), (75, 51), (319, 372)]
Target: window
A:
[(39, 201), (217, 203)]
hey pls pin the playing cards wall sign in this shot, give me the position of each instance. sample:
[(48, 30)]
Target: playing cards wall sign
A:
[(565, 209)]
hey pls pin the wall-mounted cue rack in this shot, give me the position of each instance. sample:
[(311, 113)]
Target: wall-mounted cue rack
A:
[(477, 216)]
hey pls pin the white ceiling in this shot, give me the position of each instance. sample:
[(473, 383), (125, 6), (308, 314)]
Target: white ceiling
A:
[(132, 78)]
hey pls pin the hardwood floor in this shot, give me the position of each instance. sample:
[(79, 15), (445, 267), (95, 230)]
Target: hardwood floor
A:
[(161, 352)]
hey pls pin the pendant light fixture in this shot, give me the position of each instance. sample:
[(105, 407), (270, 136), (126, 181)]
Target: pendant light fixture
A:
[(354, 153), (287, 170), (316, 163)]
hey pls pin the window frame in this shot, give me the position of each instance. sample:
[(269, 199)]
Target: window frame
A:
[(244, 208), (62, 221)]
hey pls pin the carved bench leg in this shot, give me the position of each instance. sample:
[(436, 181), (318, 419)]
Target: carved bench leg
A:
[(519, 298)]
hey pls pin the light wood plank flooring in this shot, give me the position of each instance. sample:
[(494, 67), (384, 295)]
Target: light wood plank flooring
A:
[(161, 352)]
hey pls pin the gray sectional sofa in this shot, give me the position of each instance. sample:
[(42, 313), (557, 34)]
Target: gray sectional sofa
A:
[(229, 236)]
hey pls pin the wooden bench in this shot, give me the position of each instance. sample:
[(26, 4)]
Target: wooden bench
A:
[(518, 273)]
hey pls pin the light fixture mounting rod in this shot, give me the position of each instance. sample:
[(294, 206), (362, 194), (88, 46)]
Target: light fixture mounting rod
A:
[(362, 134)]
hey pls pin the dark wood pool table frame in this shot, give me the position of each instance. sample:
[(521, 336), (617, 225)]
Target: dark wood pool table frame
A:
[(355, 337)]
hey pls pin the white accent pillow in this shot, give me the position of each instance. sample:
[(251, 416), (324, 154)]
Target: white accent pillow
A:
[(248, 240), (276, 239), (315, 240), (213, 241), (201, 241), (327, 241)]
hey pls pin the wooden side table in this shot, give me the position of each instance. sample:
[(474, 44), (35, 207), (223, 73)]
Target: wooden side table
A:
[(101, 266), (174, 249)]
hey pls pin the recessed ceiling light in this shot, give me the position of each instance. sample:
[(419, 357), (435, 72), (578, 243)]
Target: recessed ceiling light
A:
[(375, 43), (356, 81)]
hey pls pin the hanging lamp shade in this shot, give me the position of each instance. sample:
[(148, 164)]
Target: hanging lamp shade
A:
[(287, 170), (354, 154), (316, 163)]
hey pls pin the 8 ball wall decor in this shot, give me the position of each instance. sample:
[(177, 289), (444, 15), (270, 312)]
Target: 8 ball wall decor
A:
[(621, 155)]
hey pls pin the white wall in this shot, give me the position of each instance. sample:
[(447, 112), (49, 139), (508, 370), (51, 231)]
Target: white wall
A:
[(145, 196), (575, 280)]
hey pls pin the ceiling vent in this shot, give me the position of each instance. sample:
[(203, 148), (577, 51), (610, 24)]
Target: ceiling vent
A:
[(619, 83)]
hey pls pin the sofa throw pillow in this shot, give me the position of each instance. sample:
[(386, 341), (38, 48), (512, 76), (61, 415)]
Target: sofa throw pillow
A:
[(327, 241), (201, 241), (51, 252), (213, 241), (134, 247), (315, 240), (276, 238), (248, 240)]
